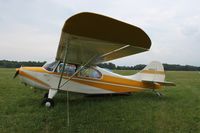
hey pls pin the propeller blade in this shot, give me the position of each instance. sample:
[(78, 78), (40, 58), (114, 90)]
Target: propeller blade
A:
[(17, 72)]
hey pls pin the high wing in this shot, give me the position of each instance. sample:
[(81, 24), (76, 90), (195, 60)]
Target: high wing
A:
[(87, 35)]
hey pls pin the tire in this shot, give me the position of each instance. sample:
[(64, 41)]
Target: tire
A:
[(48, 102)]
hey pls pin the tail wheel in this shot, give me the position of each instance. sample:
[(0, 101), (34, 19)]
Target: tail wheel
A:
[(48, 102)]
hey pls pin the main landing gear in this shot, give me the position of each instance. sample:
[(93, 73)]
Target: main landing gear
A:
[(48, 102), (48, 98)]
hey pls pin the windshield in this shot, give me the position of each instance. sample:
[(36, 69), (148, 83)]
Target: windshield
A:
[(50, 66)]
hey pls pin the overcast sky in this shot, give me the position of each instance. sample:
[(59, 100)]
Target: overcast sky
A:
[(30, 29)]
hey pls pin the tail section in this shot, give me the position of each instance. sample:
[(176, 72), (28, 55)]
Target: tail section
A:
[(152, 73)]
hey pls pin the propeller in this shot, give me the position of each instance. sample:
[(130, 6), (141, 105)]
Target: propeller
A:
[(17, 72)]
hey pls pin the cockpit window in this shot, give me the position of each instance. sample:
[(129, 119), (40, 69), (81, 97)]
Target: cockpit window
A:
[(90, 73), (50, 66), (69, 68)]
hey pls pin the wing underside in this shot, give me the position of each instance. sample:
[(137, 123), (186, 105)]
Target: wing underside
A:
[(86, 35)]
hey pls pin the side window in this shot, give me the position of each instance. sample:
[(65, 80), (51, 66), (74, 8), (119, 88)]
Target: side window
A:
[(90, 73), (69, 68)]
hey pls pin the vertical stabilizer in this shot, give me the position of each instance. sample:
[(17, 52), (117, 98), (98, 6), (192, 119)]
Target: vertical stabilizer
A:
[(152, 72)]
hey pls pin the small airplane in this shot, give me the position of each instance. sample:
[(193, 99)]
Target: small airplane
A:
[(88, 39)]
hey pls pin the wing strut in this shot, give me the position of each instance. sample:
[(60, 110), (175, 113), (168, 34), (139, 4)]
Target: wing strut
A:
[(82, 66), (65, 57), (59, 86), (61, 76)]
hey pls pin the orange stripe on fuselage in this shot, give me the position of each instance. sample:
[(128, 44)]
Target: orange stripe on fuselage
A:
[(32, 78), (117, 81), (37, 69), (152, 72), (124, 81), (110, 87), (42, 70), (117, 84)]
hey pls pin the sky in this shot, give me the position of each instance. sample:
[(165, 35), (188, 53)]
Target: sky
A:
[(30, 29)]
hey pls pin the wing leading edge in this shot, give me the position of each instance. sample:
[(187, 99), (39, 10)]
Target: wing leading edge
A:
[(85, 35)]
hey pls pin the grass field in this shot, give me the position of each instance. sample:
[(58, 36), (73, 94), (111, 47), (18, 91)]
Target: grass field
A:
[(177, 112)]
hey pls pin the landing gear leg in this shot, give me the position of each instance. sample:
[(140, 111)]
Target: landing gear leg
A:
[(48, 98)]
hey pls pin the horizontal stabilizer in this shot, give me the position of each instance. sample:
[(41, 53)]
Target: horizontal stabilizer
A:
[(161, 83)]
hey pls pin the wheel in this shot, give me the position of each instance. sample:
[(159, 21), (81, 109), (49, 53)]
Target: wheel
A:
[(46, 95), (48, 102)]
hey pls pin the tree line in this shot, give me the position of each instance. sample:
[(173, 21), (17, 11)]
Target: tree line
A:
[(169, 67), (17, 64)]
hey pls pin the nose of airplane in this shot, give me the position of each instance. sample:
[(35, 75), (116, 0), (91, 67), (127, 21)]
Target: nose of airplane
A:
[(16, 73)]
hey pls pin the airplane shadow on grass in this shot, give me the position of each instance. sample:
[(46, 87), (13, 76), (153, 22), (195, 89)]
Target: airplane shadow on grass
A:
[(76, 99)]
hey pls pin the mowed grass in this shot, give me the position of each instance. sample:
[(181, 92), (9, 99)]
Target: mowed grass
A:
[(178, 111)]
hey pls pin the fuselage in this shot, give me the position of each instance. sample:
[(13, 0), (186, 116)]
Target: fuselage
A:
[(106, 82)]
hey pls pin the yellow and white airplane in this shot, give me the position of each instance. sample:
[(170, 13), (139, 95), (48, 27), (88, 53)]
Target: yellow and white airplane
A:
[(86, 40)]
